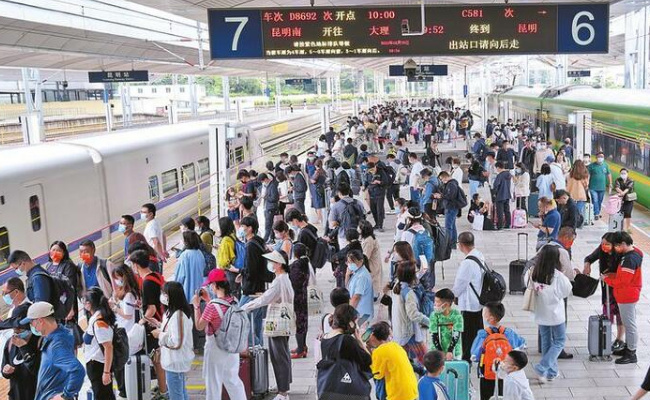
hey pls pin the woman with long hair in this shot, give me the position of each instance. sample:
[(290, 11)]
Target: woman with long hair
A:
[(371, 250), (126, 294), (219, 367), (545, 182), (577, 184), (624, 187), (522, 186), (406, 320), (175, 339), (282, 237), (280, 291), (98, 343), (226, 254), (317, 180), (299, 275), (550, 287), (191, 263)]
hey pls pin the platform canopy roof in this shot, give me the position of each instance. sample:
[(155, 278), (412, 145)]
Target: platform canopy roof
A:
[(162, 36)]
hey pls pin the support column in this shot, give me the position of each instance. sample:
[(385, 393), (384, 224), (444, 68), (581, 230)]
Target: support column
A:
[(637, 26), (194, 98), (319, 86), (32, 122), (361, 82), (527, 71), (561, 69), (127, 111), (225, 83), (278, 101)]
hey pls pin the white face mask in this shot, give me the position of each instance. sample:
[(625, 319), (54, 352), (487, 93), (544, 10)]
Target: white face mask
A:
[(164, 299), (624, 176), (143, 216), (600, 160)]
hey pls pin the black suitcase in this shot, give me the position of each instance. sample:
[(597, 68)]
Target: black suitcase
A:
[(517, 268)]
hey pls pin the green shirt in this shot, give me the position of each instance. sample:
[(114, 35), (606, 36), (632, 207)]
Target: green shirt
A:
[(445, 325), (598, 174)]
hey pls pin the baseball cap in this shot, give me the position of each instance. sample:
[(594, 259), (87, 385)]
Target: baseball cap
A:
[(550, 159), (216, 275), (40, 309)]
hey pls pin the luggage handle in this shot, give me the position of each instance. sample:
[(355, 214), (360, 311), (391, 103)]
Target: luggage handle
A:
[(608, 311), (519, 245)]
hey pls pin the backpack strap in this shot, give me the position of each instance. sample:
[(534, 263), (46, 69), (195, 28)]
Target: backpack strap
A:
[(101, 265), (483, 269)]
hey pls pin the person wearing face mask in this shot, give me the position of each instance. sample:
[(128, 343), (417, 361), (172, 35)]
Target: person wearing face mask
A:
[(130, 236), (358, 281), (300, 273), (600, 179), (60, 375), (94, 270), (124, 304), (153, 232), (21, 357), (190, 265), (300, 187), (175, 338), (506, 155), (219, 367), (98, 343), (541, 155), (254, 276), (280, 291), (624, 187), (39, 285), (511, 371), (446, 326), (608, 261)]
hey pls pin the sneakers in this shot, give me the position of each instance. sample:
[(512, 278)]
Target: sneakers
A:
[(621, 351), (618, 345), (541, 378), (629, 357), (565, 356), (281, 397)]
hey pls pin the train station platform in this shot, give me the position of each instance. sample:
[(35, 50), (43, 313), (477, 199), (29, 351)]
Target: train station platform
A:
[(579, 378)]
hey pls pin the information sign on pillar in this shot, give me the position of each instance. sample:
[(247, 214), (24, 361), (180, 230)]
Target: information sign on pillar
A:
[(583, 132), (218, 153)]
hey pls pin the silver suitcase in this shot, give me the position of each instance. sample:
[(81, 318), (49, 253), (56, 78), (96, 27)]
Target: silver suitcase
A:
[(259, 367), (599, 334), (137, 377)]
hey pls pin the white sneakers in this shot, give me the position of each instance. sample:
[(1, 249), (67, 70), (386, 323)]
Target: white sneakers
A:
[(281, 397)]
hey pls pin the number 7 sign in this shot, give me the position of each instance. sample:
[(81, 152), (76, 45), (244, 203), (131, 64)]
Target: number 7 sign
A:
[(235, 34)]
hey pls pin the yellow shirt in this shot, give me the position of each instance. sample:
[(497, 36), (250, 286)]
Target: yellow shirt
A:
[(390, 362), (226, 253)]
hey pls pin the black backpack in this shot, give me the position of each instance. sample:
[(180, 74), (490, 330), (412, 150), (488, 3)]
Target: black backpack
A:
[(461, 197), (321, 253), (120, 348), (390, 171), (351, 216), (63, 294), (493, 288)]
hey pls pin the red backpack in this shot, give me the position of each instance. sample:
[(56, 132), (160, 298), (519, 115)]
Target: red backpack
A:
[(495, 349)]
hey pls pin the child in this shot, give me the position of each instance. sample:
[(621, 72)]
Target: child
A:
[(338, 296), (430, 386), (491, 346), (391, 364), (446, 326), (515, 383)]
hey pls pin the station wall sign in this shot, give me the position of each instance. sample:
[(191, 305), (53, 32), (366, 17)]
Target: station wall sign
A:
[(578, 74), (118, 76), (338, 32), (423, 70), (420, 78), (298, 82)]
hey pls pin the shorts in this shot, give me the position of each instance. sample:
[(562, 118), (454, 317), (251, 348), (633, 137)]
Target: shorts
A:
[(233, 215)]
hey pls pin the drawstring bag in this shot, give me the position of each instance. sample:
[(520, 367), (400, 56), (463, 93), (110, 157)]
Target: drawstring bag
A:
[(338, 378)]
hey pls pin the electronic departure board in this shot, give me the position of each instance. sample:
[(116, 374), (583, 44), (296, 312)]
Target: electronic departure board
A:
[(319, 32)]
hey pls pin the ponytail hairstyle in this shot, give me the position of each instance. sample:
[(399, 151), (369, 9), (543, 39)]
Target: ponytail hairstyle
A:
[(99, 302)]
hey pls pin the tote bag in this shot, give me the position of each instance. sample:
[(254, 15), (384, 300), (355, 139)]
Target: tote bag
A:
[(280, 319), (530, 295), (477, 224), (340, 379)]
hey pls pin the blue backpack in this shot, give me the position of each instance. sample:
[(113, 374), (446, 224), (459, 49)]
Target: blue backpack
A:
[(240, 254), (426, 298), (422, 245)]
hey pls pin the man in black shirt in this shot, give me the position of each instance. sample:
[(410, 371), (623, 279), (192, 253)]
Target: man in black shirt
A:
[(568, 209), (376, 185)]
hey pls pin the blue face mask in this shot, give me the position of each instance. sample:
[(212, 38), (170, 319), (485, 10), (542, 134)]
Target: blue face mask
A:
[(19, 272), (24, 335), (7, 299), (121, 228), (34, 331), (353, 267)]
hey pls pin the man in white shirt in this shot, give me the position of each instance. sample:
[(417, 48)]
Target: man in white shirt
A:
[(153, 232), (456, 170), (467, 287), (414, 177), (556, 173)]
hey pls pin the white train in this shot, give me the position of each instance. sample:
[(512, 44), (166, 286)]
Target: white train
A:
[(78, 189)]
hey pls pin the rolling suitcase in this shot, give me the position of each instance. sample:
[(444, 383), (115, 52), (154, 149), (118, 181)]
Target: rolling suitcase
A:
[(517, 267), (456, 378), (259, 368), (137, 377), (519, 218), (589, 214), (615, 223), (533, 209), (599, 334), (245, 376)]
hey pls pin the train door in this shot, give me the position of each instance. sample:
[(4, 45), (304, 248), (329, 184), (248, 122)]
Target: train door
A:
[(542, 120), (34, 200)]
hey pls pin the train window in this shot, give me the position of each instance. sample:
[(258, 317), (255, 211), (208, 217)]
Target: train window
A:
[(188, 175), (170, 182), (4, 247), (154, 192), (239, 155), (35, 212), (204, 168)]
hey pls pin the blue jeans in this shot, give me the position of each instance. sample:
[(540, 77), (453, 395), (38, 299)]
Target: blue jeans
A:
[(473, 188), (597, 197), (553, 338), (176, 385), (415, 195), (258, 316), (450, 224), (581, 209)]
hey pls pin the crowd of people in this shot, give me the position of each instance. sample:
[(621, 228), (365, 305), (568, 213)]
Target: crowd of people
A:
[(399, 331)]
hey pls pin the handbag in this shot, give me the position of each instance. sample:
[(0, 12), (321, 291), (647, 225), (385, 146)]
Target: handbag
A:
[(477, 224), (339, 378), (630, 196), (530, 297), (584, 286)]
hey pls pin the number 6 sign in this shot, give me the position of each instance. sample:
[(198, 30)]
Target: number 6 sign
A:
[(235, 34), (583, 28)]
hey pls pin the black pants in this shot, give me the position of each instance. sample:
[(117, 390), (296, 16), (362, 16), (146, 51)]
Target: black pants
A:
[(268, 222), (299, 204), (392, 194), (487, 388), (377, 210), (95, 371), (522, 202), (503, 213), (119, 380), (427, 141), (473, 322)]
